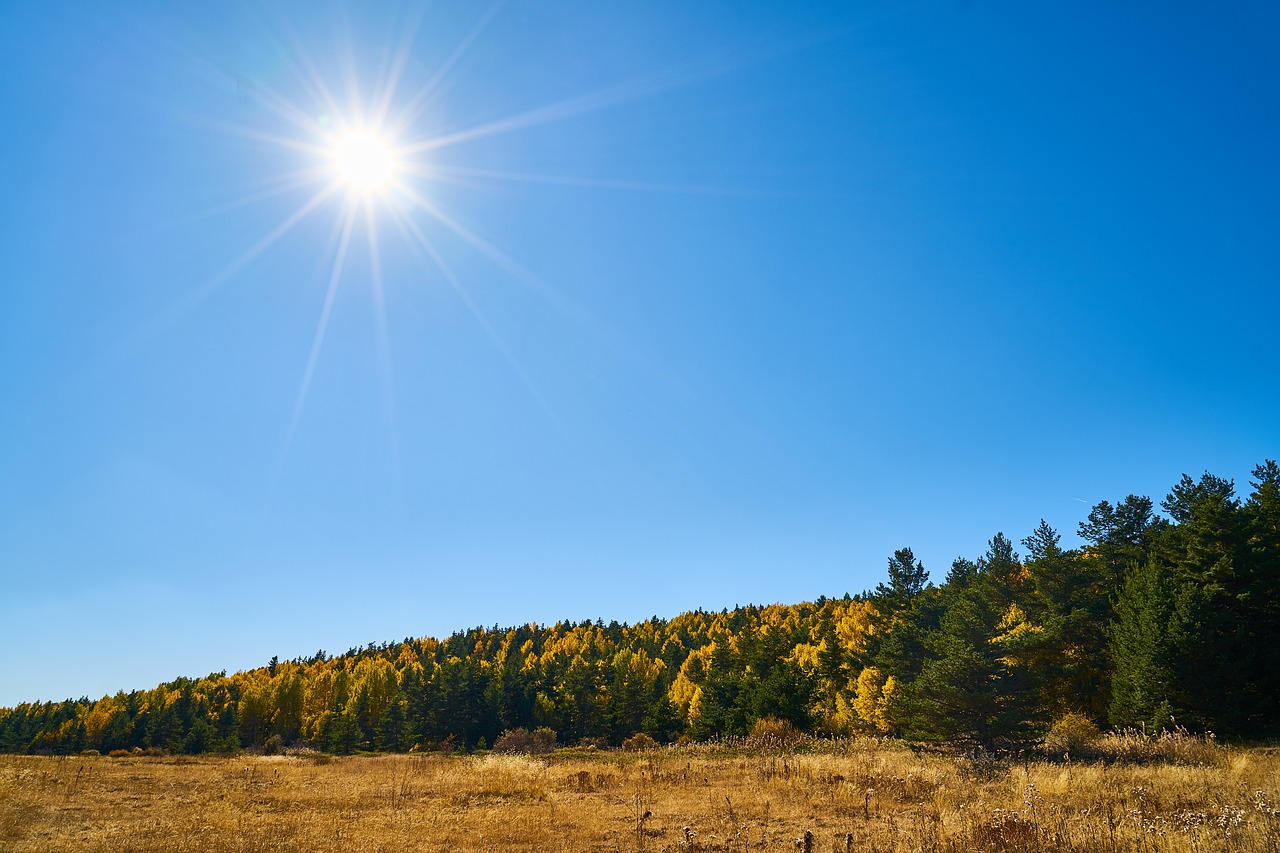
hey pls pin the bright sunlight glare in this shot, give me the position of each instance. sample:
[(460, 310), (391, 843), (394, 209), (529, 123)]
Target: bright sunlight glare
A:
[(363, 160)]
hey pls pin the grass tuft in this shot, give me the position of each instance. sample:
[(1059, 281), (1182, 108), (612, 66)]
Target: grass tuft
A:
[(1163, 794)]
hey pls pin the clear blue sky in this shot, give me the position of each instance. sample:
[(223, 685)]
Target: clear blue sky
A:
[(740, 298)]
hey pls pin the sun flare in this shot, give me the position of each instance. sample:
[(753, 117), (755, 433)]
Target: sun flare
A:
[(363, 160), (368, 159)]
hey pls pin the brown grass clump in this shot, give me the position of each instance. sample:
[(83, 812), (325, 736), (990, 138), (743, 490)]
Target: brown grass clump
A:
[(639, 742), (772, 733), (828, 796)]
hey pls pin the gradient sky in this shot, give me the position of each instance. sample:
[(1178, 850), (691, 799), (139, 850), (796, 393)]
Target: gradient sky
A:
[(740, 297)]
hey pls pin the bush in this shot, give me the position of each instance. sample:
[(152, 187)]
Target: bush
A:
[(982, 765), (771, 733), (639, 742), (540, 741), (89, 753), (1072, 733), (544, 740), (273, 746), (119, 753)]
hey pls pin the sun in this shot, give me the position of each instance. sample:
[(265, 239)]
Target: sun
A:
[(363, 161)]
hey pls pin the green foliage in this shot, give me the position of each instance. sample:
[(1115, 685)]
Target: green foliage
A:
[(965, 691), (1154, 623), (1142, 649), (907, 580)]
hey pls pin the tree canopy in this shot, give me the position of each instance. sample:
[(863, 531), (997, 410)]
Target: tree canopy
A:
[(1153, 622)]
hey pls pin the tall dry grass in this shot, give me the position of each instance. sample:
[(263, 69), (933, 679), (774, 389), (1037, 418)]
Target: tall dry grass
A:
[(854, 795)]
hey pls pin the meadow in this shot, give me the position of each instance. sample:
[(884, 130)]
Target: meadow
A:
[(864, 795)]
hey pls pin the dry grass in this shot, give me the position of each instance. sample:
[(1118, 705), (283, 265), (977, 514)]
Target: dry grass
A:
[(857, 795)]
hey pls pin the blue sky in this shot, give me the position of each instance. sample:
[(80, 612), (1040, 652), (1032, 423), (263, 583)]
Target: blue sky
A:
[(732, 300)]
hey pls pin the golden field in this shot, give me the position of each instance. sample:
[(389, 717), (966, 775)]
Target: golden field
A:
[(851, 795)]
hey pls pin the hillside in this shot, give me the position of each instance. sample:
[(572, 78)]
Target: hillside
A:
[(1157, 621)]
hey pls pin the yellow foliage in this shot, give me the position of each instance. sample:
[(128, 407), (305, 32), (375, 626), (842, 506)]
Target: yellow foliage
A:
[(806, 656), (1015, 630), (686, 693), (99, 716), (638, 669), (844, 718), (853, 624), (875, 695)]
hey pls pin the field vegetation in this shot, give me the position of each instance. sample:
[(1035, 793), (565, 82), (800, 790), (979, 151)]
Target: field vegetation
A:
[(961, 716), (1174, 792)]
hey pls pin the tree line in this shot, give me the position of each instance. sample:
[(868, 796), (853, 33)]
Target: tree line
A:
[(1158, 620)]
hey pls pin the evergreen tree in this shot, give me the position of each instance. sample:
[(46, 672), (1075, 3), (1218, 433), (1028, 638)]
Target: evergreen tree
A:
[(1141, 650), (1120, 537), (907, 579), (1073, 608), (964, 692), (1262, 512)]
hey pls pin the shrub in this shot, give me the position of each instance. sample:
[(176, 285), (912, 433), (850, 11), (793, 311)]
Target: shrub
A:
[(1072, 733), (771, 732), (982, 765), (540, 741), (119, 753), (544, 740), (273, 746), (89, 753), (513, 741), (639, 742)]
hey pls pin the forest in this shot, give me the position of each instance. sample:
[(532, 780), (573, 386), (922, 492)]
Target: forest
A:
[(1159, 620)]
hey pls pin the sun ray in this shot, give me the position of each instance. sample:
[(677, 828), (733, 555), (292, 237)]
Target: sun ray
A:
[(279, 31), (412, 109), (302, 146), (388, 85), (167, 318), (284, 108), (265, 95), (568, 306), (305, 72), (386, 373), (281, 186), (631, 90), (317, 342), (490, 251), (205, 290), (559, 111), (366, 141), (355, 111), (411, 229), (446, 172)]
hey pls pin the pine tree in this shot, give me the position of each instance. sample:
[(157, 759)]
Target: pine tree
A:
[(965, 693), (1140, 649)]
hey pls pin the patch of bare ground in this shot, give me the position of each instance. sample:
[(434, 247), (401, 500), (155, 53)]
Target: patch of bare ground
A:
[(851, 795)]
